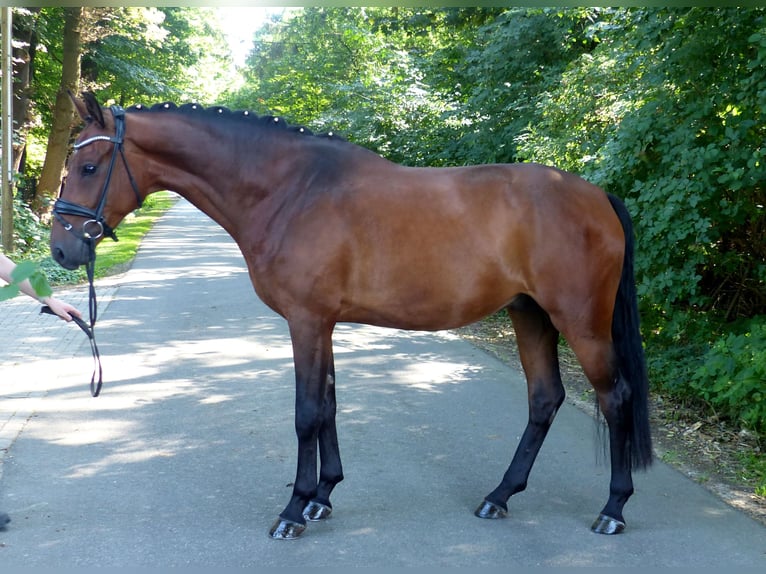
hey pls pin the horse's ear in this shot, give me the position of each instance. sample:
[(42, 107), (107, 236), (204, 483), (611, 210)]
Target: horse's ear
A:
[(94, 108), (79, 106), (88, 108)]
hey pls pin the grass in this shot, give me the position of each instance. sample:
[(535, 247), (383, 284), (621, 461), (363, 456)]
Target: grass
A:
[(112, 256), (755, 468), (115, 256)]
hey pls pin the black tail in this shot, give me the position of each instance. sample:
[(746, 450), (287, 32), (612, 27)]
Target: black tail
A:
[(628, 346)]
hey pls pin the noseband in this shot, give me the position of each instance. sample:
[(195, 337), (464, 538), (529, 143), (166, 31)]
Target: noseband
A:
[(93, 228)]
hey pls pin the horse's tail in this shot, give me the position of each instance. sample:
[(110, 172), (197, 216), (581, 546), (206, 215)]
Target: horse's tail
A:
[(629, 349)]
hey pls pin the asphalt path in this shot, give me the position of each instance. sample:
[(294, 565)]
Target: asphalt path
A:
[(188, 455)]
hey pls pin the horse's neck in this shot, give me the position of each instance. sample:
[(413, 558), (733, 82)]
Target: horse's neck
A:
[(220, 175)]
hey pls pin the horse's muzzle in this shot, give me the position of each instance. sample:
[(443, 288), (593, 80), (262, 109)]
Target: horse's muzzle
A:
[(70, 255)]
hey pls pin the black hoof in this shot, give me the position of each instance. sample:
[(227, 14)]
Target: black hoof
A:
[(286, 529), (607, 525), (489, 509), (316, 511)]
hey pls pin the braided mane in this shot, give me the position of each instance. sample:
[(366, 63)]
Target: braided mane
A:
[(244, 116)]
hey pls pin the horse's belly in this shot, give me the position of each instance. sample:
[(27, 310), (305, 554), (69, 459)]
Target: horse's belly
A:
[(429, 300)]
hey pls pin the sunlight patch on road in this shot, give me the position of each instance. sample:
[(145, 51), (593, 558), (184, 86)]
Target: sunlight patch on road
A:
[(133, 452)]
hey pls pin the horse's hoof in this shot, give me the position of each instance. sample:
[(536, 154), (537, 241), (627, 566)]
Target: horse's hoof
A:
[(286, 529), (316, 511), (4, 520), (607, 525), (489, 509)]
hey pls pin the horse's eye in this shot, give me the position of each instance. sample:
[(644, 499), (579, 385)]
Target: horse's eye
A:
[(88, 169)]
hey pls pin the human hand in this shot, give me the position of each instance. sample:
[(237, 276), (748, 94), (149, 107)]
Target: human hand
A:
[(64, 310)]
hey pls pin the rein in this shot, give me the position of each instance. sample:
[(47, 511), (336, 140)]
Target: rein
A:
[(95, 386), (92, 229)]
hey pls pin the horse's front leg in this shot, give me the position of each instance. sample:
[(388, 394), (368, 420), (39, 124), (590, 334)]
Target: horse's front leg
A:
[(312, 354), (331, 470)]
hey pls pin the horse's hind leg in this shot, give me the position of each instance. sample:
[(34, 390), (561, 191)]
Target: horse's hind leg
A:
[(598, 360), (537, 341), (330, 470)]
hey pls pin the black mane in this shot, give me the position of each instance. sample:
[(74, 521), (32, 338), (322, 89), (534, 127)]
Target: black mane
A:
[(243, 116)]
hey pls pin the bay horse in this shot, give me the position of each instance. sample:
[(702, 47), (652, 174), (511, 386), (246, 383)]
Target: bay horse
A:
[(332, 232)]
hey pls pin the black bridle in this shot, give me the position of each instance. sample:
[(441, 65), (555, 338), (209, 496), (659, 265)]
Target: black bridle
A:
[(94, 227)]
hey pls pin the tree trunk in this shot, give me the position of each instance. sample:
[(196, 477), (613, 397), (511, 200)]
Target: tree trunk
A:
[(24, 50), (63, 113), (24, 34)]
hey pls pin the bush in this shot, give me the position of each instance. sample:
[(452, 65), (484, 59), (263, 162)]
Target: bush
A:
[(28, 232), (667, 113), (33, 237), (732, 375)]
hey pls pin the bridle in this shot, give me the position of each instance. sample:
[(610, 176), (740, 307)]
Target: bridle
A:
[(94, 227)]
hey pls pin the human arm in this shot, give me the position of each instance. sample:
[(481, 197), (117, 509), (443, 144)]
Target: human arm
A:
[(62, 309)]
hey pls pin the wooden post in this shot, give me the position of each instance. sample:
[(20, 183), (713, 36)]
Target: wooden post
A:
[(6, 125)]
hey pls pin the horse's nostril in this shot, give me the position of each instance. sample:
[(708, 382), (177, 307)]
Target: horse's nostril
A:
[(60, 257)]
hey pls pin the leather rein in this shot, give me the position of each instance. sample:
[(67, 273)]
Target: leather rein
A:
[(92, 229)]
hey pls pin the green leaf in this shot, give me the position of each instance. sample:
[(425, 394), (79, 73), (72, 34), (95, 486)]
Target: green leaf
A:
[(40, 284), (28, 270), (23, 270), (8, 291)]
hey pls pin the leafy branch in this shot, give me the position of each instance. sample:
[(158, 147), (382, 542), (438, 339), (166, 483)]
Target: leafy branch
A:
[(26, 270)]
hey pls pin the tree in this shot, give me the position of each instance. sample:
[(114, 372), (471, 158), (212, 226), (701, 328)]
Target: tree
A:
[(667, 113), (25, 36), (124, 54), (63, 114), (363, 72), (160, 53)]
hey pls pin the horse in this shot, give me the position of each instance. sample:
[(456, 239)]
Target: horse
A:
[(334, 233)]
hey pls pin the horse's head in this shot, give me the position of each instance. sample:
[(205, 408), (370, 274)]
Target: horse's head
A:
[(96, 193)]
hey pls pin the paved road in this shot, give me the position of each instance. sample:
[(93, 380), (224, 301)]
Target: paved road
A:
[(187, 456)]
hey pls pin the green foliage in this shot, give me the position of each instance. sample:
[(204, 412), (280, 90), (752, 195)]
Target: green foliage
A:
[(508, 68), (158, 53), (55, 273), (372, 74), (110, 256), (719, 366), (732, 374), (26, 226), (26, 270), (28, 236), (667, 112), (130, 55), (755, 469)]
